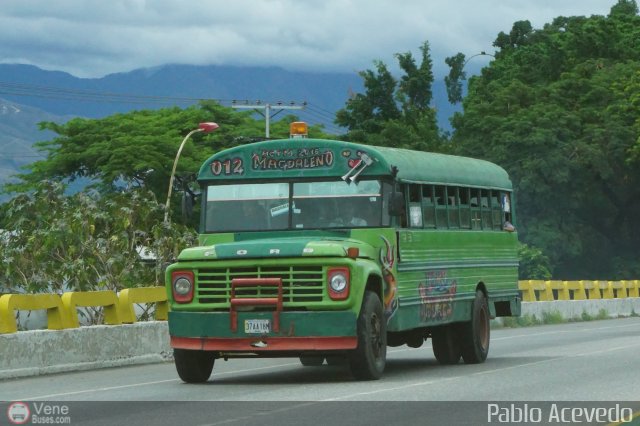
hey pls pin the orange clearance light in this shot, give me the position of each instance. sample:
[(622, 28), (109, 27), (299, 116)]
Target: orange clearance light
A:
[(353, 252), (298, 129)]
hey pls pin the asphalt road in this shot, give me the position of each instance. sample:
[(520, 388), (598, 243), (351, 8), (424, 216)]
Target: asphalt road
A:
[(590, 364)]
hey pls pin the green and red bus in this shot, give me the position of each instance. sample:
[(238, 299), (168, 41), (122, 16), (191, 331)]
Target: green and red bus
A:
[(330, 250)]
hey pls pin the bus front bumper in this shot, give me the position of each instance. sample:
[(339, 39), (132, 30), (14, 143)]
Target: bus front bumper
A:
[(296, 331)]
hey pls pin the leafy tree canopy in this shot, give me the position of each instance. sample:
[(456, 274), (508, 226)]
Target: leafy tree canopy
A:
[(559, 108), (86, 241), (395, 112), (92, 239), (137, 149)]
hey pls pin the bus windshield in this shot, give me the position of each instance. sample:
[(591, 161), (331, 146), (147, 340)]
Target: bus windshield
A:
[(298, 205)]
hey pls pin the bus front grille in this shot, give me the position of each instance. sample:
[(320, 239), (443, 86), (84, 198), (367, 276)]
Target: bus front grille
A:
[(300, 284)]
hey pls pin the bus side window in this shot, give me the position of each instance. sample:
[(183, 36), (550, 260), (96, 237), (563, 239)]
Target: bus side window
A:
[(441, 206), (415, 208), (506, 206), (486, 209), (465, 210), (496, 210), (453, 207), (429, 207), (476, 218), (506, 211)]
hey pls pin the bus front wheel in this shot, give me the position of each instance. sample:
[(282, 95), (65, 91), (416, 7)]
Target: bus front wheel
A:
[(367, 361), (193, 366), (475, 334)]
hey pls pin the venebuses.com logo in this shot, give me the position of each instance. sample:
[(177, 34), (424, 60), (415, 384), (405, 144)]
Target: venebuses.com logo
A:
[(18, 413)]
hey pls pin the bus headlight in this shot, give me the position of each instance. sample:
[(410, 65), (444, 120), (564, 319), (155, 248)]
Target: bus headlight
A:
[(182, 286), (338, 280), (338, 283)]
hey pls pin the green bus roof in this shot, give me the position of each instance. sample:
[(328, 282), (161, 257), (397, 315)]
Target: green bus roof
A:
[(320, 158)]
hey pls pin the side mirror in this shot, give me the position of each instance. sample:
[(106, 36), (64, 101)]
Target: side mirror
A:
[(396, 204)]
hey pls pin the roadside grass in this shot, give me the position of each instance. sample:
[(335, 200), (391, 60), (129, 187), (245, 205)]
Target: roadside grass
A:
[(602, 314)]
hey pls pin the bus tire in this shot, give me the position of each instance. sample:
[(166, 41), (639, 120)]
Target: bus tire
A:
[(368, 360), (311, 360), (193, 366), (475, 334), (446, 344)]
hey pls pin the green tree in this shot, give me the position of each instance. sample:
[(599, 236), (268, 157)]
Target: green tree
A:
[(558, 108), (395, 112), (366, 113), (137, 149), (534, 265), (86, 241), (453, 82)]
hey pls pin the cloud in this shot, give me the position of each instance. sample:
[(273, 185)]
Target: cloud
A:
[(91, 39)]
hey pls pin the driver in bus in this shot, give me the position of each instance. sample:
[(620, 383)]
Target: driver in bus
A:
[(350, 216), (254, 216)]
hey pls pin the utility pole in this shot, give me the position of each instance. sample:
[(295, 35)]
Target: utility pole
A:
[(259, 106)]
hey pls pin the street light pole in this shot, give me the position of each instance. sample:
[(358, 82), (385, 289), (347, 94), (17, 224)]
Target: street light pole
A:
[(202, 127), (482, 53)]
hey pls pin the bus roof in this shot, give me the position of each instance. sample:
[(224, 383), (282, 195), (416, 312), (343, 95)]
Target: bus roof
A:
[(320, 158)]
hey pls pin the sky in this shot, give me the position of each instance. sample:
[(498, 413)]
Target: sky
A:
[(93, 38)]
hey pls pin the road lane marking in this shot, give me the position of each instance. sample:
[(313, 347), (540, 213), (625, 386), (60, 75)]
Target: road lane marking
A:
[(31, 398), (109, 388), (527, 364), (448, 379), (564, 331), (428, 382), (132, 385)]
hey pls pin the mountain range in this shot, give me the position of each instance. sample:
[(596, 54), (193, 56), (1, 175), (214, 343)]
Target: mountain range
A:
[(18, 131), (29, 95)]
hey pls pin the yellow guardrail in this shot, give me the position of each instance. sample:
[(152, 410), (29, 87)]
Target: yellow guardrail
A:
[(57, 318), (541, 291), (107, 299), (131, 296), (62, 310), (119, 308)]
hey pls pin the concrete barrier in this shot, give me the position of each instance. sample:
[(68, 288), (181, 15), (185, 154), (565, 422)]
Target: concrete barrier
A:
[(574, 309), (30, 353), (36, 352)]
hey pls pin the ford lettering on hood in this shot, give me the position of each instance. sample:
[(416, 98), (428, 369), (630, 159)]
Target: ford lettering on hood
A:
[(278, 247)]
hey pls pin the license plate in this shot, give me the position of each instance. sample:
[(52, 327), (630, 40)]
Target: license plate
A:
[(257, 326)]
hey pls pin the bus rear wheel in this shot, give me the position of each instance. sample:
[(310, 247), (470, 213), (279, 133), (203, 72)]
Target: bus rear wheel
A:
[(368, 360), (475, 334), (446, 344), (193, 366)]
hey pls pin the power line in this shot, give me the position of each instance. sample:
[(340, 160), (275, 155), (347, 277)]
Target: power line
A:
[(319, 114), (19, 89)]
